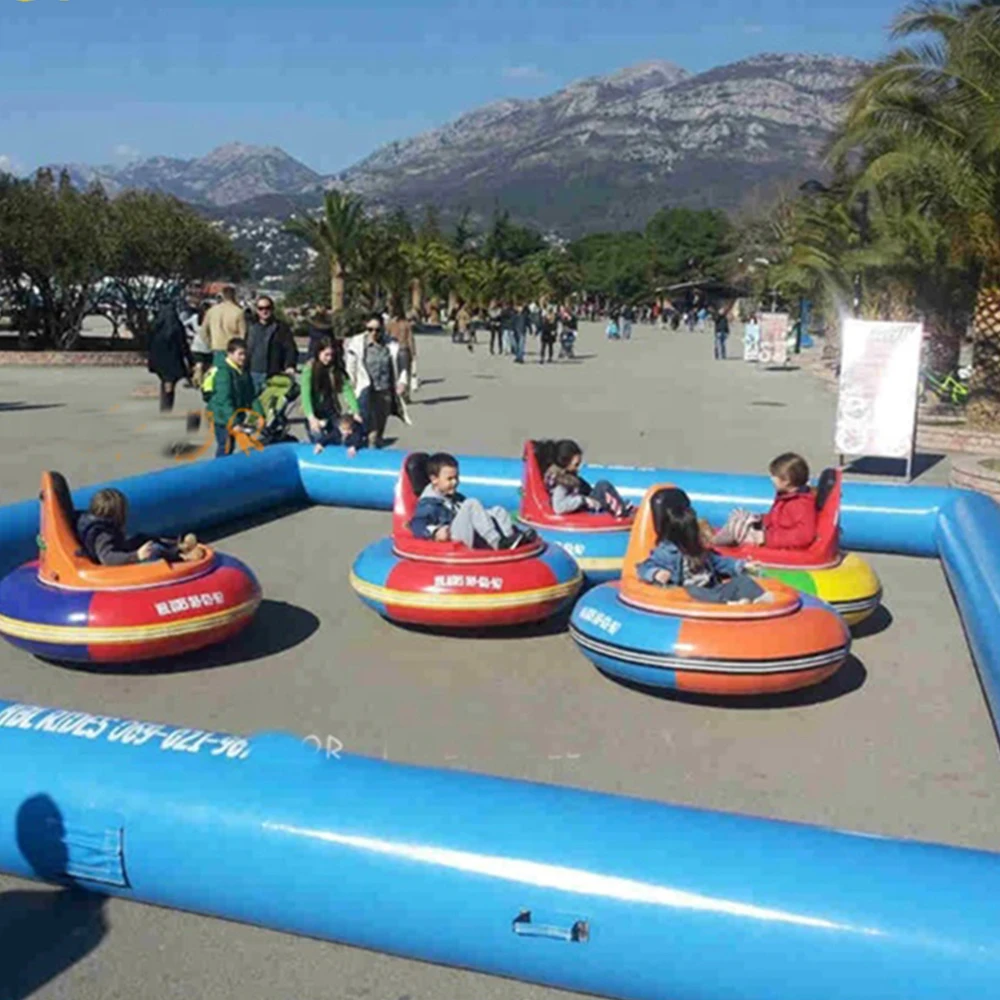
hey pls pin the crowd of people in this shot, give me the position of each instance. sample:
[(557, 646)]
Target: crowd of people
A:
[(508, 327), (244, 359)]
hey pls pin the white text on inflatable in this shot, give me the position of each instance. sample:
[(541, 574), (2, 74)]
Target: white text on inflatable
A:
[(190, 603), (482, 582), (601, 620), (125, 732)]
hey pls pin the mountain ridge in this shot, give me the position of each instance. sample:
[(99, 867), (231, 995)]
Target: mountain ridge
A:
[(604, 152)]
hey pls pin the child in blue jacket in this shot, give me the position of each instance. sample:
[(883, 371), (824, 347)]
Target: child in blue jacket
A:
[(680, 558), (445, 515)]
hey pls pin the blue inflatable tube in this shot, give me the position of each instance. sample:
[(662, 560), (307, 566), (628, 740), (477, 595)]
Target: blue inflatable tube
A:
[(875, 517), (579, 890), (584, 891), (969, 538), (188, 497)]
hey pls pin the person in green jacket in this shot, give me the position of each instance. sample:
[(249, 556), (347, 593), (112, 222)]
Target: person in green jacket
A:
[(232, 390), (328, 401)]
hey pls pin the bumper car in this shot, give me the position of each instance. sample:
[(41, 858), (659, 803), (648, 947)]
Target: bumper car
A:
[(841, 579), (65, 607), (596, 541), (662, 637), (448, 585)]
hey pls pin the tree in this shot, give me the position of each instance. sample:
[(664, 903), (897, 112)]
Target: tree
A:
[(335, 236), (685, 242), (158, 246), (429, 260), (925, 123), (55, 246), (614, 266), (509, 242)]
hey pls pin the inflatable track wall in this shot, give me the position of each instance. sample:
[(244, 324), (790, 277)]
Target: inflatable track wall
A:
[(591, 892)]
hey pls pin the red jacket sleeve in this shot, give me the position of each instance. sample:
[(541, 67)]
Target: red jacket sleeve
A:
[(791, 522)]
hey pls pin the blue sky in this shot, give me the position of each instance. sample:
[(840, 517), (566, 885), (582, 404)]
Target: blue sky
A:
[(98, 81)]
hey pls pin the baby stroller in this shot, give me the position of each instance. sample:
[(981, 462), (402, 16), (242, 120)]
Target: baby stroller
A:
[(279, 392), (254, 432), (566, 341)]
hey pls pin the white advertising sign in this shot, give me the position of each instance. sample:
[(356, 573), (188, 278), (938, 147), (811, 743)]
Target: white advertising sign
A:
[(879, 377), (773, 350)]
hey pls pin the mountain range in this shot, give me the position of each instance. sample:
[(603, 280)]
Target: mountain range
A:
[(603, 153)]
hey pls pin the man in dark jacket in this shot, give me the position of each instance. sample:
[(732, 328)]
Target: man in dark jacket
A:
[(270, 345)]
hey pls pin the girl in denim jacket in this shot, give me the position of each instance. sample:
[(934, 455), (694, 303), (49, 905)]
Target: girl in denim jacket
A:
[(680, 558)]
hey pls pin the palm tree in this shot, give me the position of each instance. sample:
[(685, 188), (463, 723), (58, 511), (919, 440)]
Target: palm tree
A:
[(335, 236), (927, 122), (429, 260)]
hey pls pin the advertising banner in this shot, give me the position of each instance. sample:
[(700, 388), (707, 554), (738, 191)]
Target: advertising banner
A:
[(879, 381), (773, 339)]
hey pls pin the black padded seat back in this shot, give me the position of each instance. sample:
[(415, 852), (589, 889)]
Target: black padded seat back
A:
[(416, 471), (545, 454), (64, 500), (827, 481)]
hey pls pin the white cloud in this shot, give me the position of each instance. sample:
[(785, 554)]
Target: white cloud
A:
[(10, 164), (752, 29), (523, 73), (125, 152)]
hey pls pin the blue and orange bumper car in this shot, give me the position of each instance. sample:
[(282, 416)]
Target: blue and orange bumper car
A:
[(662, 637), (65, 607), (448, 585)]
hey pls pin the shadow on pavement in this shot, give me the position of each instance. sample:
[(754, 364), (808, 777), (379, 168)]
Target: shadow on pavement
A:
[(879, 620), (848, 679), (435, 400), (240, 524), (11, 407), (893, 466), (45, 931)]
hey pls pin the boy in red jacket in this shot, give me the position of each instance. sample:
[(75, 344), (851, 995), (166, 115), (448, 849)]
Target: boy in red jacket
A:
[(791, 521)]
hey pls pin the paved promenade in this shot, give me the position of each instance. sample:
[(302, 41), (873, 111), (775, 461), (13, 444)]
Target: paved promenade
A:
[(899, 743)]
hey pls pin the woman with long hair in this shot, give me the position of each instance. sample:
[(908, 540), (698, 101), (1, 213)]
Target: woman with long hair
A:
[(328, 401)]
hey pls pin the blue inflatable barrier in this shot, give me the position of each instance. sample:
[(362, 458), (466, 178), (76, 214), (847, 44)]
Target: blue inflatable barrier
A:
[(584, 891), (875, 517)]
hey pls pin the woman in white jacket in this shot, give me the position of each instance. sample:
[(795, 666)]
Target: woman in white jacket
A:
[(373, 368)]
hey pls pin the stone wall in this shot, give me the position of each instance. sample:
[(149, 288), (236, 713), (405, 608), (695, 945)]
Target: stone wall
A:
[(73, 359), (970, 474), (955, 437)]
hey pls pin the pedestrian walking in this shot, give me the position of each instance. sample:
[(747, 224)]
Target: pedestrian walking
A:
[(169, 353), (721, 334), (224, 322)]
